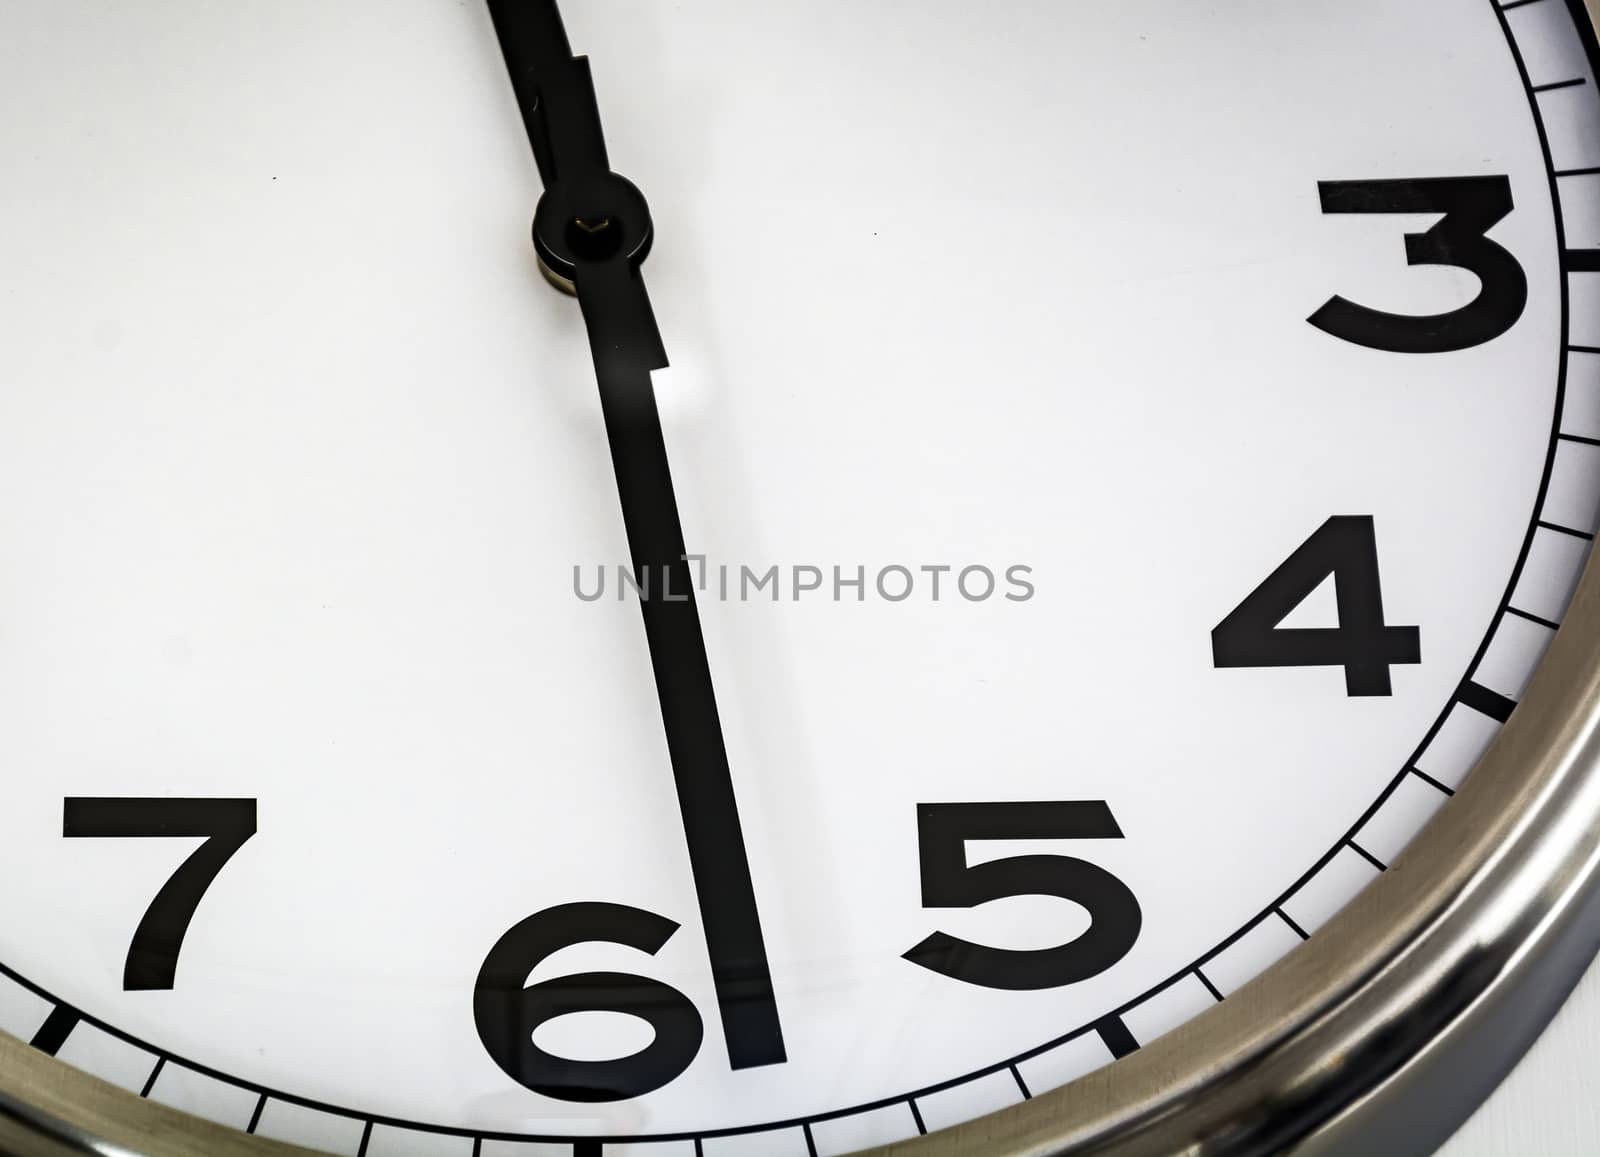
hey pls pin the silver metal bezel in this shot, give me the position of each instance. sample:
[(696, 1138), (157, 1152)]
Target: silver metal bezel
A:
[(1380, 1034)]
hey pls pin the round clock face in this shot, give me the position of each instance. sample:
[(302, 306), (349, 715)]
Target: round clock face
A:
[(1134, 458)]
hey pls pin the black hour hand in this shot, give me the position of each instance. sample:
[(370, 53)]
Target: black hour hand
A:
[(592, 229)]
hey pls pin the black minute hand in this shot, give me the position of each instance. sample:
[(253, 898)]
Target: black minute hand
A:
[(592, 231)]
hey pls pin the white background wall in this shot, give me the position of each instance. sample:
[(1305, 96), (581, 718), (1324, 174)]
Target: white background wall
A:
[(1550, 1105)]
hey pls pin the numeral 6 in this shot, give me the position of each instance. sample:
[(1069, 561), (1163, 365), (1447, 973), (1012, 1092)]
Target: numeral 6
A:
[(509, 1010)]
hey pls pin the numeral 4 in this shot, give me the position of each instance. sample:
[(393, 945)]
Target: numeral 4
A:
[(1363, 644)]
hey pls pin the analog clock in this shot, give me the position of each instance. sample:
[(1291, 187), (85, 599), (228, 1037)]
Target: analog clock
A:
[(1007, 527)]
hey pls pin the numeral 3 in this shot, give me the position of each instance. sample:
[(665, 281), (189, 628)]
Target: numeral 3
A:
[(1471, 207)]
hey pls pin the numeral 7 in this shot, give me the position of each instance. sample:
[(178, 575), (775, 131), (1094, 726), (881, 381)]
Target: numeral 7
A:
[(226, 824)]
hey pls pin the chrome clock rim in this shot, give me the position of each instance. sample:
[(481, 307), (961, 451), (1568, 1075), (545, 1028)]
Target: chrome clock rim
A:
[(1386, 1031)]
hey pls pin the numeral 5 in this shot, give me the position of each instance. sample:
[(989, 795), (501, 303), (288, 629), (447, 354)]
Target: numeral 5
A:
[(949, 882)]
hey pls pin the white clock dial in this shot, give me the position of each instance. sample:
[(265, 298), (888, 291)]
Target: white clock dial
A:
[(1139, 456)]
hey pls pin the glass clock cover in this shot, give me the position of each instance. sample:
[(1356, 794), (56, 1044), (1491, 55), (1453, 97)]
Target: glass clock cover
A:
[(1131, 458)]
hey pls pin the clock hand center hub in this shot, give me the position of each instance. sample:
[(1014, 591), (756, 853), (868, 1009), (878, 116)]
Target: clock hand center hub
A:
[(591, 218)]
